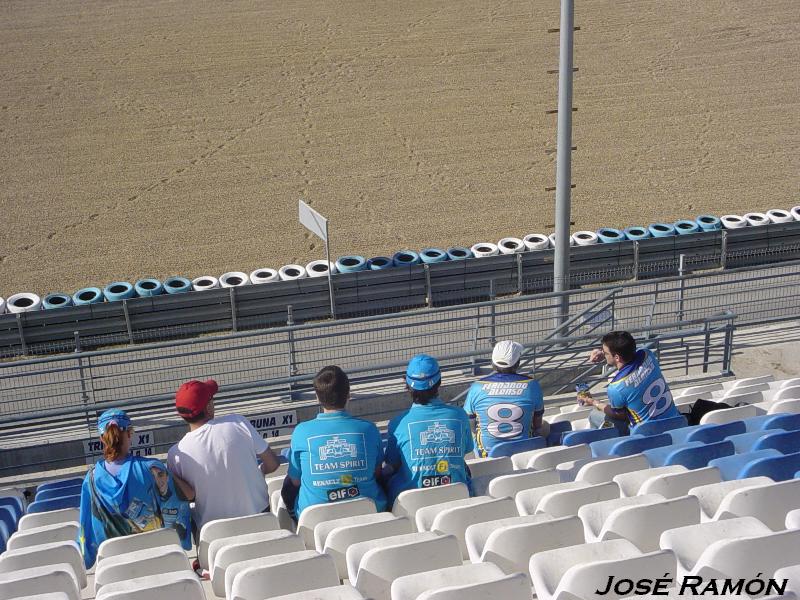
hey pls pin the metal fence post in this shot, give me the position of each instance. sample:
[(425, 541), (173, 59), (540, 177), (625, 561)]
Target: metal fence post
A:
[(475, 336), (291, 369), (727, 352), (127, 321), (492, 314), (234, 324), (706, 346), (428, 290), (723, 251), (519, 273), (636, 261), (84, 393), (21, 334), (681, 274)]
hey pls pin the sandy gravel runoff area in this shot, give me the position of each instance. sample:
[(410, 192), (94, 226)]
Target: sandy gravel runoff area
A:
[(159, 137)]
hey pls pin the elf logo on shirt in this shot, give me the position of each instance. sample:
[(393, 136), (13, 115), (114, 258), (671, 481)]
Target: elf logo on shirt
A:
[(343, 493)]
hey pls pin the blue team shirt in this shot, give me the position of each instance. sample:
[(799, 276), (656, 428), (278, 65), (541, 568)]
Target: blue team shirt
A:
[(503, 405), (429, 442), (640, 388), (335, 456)]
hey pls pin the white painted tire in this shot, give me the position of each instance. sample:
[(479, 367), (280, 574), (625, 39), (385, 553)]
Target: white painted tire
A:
[(319, 268), (511, 245), (536, 241), (2, 306), (292, 272), (205, 282), (23, 302), (484, 249), (778, 215), (552, 237), (584, 238), (796, 213), (265, 275), (733, 221), (756, 219), (233, 279)]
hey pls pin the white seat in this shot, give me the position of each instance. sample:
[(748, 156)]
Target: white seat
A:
[(222, 528), (509, 485), (699, 389), (793, 519), (427, 514), (512, 587), (784, 383), (138, 541), (278, 508), (784, 406), (630, 483), (322, 529), (318, 513), (380, 566), (550, 458), (594, 516), (711, 495), (337, 592), (274, 484), (410, 587), (728, 385), (280, 574), (141, 563), (574, 415), (46, 534), (568, 471), (747, 557), (341, 538), (227, 551), (454, 521), (527, 501), (674, 485), (409, 502), (689, 542), (50, 517), (356, 552), (568, 502), (480, 467), (744, 389), (45, 554), (791, 575), (40, 580), (478, 533), (786, 393), (182, 585), (48, 596), (603, 471), (769, 503), (728, 415)]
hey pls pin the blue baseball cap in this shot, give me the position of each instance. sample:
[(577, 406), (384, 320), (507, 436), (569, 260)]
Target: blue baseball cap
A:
[(423, 372), (114, 416)]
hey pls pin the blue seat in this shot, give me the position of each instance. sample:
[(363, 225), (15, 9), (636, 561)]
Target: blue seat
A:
[(657, 457), (779, 468), (730, 466), (628, 446), (602, 448), (285, 451), (64, 483), (556, 429), (698, 457), (57, 493), (786, 421), (587, 436), (14, 503), (4, 535), (55, 504), (657, 426), (785, 442), (509, 448), (9, 517), (707, 433), (743, 442)]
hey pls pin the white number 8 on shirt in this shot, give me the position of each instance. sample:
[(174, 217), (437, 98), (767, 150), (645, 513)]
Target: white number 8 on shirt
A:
[(511, 420), (657, 397)]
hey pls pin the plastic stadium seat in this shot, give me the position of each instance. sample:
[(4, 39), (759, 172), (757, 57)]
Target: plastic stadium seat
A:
[(689, 542), (787, 422), (14, 504), (729, 415), (747, 557), (572, 416), (60, 483), (567, 471), (705, 389), (604, 470), (696, 457), (782, 383), (744, 389), (549, 458), (48, 596), (426, 515), (711, 495), (57, 493), (735, 383), (784, 407), (730, 466), (790, 574), (527, 501), (587, 436), (477, 534), (8, 516), (139, 541), (629, 483), (141, 563), (222, 528), (409, 502), (777, 468), (656, 426), (341, 538), (479, 467), (509, 448), (280, 574), (274, 484), (657, 457), (355, 552), (43, 555), (53, 517), (567, 502), (769, 502), (793, 519), (512, 587), (322, 529), (5, 534), (40, 580), (43, 535), (556, 429), (318, 513), (509, 485), (638, 444), (785, 442), (711, 432), (54, 504), (674, 485), (454, 521), (172, 586), (594, 516), (337, 592), (743, 442), (410, 587), (786, 393), (644, 524)]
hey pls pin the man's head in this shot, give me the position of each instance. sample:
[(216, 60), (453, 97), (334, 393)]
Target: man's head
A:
[(423, 378), (505, 356), (194, 400), (619, 348), (332, 388)]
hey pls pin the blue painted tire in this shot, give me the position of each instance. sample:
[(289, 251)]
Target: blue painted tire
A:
[(432, 255), (351, 264), (57, 300), (148, 287), (405, 258), (685, 227), (90, 295), (661, 230), (609, 235), (636, 233), (459, 253), (708, 223), (177, 285), (119, 290), (379, 263)]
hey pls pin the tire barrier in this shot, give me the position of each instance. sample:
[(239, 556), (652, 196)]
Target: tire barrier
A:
[(636, 233), (265, 275), (90, 295), (405, 257), (319, 268), (177, 285), (756, 219), (233, 279), (536, 241), (459, 253), (292, 272), (432, 255), (733, 222), (379, 263), (484, 249), (609, 235), (796, 213), (23, 302), (205, 282), (351, 264), (511, 245), (661, 230), (685, 227), (584, 238), (552, 239), (778, 215), (2, 306), (709, 223), (56, 300), (119, 290), (148, 287)]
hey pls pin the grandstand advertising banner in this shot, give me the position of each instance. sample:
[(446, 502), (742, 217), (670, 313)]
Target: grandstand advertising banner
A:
[(142, 444), (275, 424)]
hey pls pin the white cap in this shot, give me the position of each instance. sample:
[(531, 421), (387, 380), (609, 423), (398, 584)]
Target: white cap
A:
[(506, 353)]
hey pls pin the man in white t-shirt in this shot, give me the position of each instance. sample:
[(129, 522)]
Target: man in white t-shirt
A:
[(218, 457)]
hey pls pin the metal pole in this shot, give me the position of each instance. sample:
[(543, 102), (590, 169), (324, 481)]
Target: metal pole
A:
[(564, 158), (330, 276)]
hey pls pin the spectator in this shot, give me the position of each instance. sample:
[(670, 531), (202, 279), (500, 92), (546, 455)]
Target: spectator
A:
[(335, 456), (505, 406), (427, 443), (637, 391), (217, 457), (124, 494)]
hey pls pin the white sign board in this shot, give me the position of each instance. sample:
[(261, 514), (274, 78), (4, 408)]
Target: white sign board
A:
[(142, 444), (313, 221), (275, 424)]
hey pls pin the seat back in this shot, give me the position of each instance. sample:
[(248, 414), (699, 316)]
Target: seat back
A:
[(410, 501), (139, 541), (527, 501), (454, 521), (777, 468), (629, 483), (728, 415), (785, 442), (656, 426), (318, 513), (284, 574), (40, 580), (46, 534), (511, 587), (550, 458), (480, 467), (341, 538), (222, 528), (744, 442), (556, 429), (637, 445), (59, 483), (602, 471), (46, 554), (587, 436), (8, 516), (509, 485), (730, 466), (409, 587), (785, 406), (477, 534), (174, 586), (790, 422), (14, 502), (643, 524), (141, 563), (568, 502), (787, 393), (54, 504), (713, 432), (747, 557), (674, 485), (74, 490), (53, 517), (510, 448), (699, 456), (711, 495)]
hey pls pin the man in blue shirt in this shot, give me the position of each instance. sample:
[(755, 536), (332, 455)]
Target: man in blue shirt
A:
[(427, 443), (506, 406), (335, 456)]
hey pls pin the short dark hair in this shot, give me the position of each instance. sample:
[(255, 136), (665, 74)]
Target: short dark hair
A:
[(424, 396), (506, 370), (622, 343), (332, 387)]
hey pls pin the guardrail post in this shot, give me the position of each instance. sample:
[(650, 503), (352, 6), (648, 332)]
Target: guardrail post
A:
[(519, 273), (84, 394), (727, 352), (127, 321), (475, 334), (681, 274), (21, 330), (428, 290), (234, 324), (291, 369), (723, 251), (706, 346), (492, 314), (636, 260)]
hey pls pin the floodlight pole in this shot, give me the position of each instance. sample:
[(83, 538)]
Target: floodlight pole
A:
[(564, 159)]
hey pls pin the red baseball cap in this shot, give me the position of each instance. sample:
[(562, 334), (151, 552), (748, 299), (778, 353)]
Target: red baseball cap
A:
[(193, 396)]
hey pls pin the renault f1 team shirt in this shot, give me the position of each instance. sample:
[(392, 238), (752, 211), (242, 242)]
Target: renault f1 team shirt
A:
[(503, 405), (335, 456), (640, 388)]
